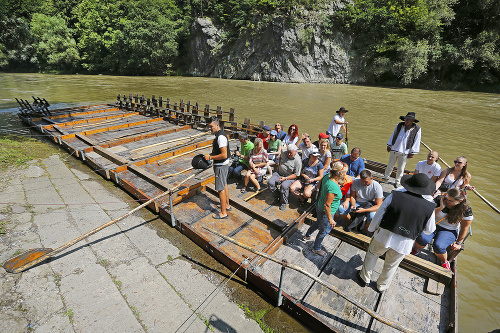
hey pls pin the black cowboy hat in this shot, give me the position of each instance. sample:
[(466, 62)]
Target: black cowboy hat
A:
[(342, 109), (199, 162), (418, 183), (409, 115)]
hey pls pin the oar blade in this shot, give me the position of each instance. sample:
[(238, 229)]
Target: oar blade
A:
[(18, 263)]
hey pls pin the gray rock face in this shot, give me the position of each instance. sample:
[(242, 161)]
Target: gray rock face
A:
[(275, 53)]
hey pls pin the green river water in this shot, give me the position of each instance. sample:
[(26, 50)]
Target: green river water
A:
[(453, 123)]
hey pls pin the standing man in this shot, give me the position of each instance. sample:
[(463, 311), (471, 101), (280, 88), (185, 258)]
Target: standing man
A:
[(430, 167), (337, 123), (402, 145), (220, 157), (288, 171), (404, 214), (354, 162)]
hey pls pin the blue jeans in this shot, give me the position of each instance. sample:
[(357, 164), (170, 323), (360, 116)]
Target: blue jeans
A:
[(344, 211), (442, 239), (236, 169), (324, 228)]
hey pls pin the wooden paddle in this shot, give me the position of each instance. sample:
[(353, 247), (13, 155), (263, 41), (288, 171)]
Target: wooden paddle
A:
[(34, 256), (473, 190), (374, 314)]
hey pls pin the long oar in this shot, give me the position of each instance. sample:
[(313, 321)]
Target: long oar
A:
[(473, 190), (326, 284), (34, 256)]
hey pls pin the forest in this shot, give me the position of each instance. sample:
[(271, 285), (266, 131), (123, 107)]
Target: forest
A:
[(430, 43)]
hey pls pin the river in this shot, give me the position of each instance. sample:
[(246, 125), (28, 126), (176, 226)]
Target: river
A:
[(453, 123)]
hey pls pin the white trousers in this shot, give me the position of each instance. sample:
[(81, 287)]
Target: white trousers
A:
[(401, 159), (391, 263)]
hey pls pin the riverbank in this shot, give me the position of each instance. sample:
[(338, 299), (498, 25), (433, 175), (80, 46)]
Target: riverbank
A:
[(126, 278)]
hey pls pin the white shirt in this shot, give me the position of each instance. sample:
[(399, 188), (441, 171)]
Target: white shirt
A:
[(430, 170), (334, 128), (222, 141), (394, 241), (402, 139), (288, 140)]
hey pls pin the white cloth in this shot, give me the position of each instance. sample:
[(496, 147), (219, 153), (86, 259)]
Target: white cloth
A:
[(222, 141), (430, 170), (287, 140), (402, 139), (367, 193), (334, 128), (401, 159), (391, 264), (307, 151), (394, 241)]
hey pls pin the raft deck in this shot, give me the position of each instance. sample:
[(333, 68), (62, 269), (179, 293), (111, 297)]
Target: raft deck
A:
[(147, 153)]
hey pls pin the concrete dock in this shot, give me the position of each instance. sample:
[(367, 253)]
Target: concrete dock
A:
[(125, 278)]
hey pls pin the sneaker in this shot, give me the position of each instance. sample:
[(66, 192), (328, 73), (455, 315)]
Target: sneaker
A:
[(415, 252), (397, 183), (446, 265), (283, 207), (306, 238)]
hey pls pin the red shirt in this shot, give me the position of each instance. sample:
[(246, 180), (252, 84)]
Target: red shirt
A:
[(265, 140)]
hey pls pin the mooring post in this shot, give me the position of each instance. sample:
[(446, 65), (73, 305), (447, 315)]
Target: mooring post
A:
[(206, 114), (172, 217), (119, 101), (282, 277)]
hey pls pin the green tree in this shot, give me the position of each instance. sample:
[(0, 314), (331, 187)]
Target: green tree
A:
[(16, 48), (54, 44)]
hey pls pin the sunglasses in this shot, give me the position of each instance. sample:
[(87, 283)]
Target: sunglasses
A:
[(458, 162)]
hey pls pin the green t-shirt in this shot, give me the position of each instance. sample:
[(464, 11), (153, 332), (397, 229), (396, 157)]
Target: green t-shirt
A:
[(245, 151), (273, 145), (329, 186)]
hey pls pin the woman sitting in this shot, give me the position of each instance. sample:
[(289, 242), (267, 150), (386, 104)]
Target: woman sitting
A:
[(328, 203), (258, 165), (274, 151), (453, 213), (311, 173), (456, 177), (325, 155), (292, 137)]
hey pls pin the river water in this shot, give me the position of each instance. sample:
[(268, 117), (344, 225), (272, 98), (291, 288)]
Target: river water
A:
[(453, 123)]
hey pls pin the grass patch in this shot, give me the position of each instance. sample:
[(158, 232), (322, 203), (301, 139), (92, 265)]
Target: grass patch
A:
[(3, 230), (16, 150), (257, 316)]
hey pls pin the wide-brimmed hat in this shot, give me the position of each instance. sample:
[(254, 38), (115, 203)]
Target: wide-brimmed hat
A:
[(409, 115), (418, 183), (342, 109), (199, 162)]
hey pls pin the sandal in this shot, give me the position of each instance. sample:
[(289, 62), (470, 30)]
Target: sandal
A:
[(306, 238), (319, 252), (218, 217), (243, 190)]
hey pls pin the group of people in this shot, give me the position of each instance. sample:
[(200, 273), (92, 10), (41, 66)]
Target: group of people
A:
[(428, 205)]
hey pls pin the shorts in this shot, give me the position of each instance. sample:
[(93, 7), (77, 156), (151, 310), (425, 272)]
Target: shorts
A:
[(220, 172)]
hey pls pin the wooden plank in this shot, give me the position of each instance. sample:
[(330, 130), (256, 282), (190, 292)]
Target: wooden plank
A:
[(406, 302), (60, 130), (298, 252), (50, 121), (86, 139), (341, 272), (70, 114), (110, 156), (157, 181), (252, 211)]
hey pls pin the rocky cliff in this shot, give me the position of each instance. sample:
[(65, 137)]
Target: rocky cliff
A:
[(276, 52)]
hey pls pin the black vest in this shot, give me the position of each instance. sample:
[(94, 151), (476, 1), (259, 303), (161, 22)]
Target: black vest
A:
[(215, 146), (407, 214), (411, 138)]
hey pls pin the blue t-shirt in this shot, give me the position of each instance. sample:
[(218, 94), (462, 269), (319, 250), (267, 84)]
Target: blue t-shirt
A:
[(311, 171), (354, 167)]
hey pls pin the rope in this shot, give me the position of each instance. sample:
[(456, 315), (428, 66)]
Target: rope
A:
[(217, 290)]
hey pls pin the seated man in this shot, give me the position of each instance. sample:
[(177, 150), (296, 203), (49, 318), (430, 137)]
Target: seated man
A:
[(265, 136), (289, 168), (430, 166), (306, 146), (242, 163), (338, 148), (354, 162), (366, 197)]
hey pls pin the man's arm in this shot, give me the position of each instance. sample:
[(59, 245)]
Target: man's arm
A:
[(374, 224)]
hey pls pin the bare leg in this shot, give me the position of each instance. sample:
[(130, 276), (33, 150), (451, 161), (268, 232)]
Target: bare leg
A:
[(223, 196), (443, 257), (247, 176), (295, 187), (253, 178)]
